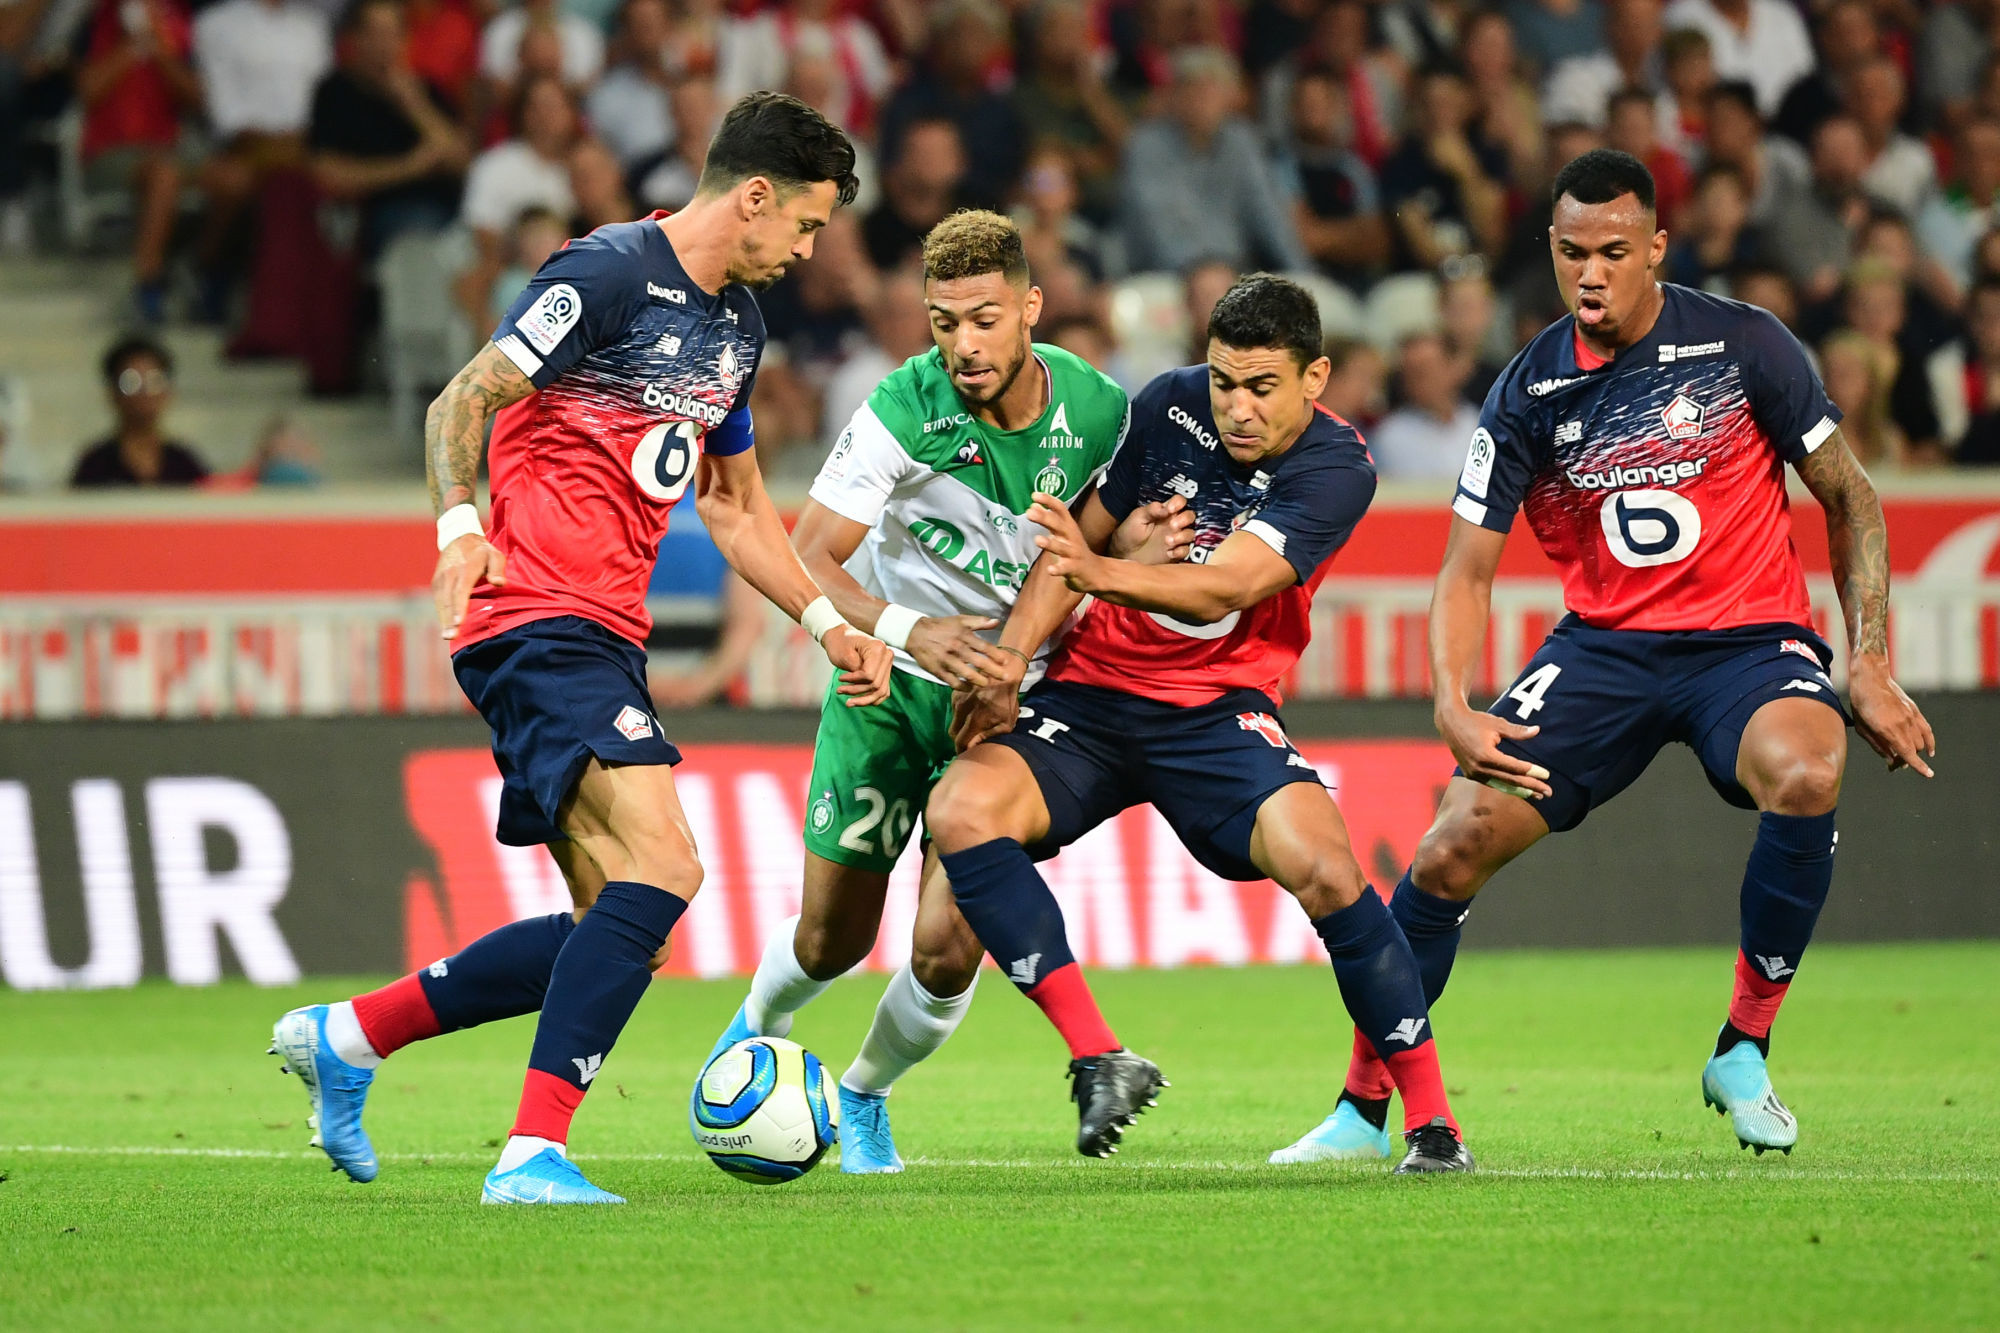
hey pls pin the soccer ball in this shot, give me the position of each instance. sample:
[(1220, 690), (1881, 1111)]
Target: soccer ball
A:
[(765, 1110)]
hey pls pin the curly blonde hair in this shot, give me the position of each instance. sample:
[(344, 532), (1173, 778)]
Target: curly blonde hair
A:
[(973, 242)]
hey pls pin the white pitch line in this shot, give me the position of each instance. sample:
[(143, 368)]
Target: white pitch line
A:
[(1801, 1173)]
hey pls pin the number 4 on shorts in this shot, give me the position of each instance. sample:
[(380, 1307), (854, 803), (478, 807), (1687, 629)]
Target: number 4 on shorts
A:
[(1528, 694)]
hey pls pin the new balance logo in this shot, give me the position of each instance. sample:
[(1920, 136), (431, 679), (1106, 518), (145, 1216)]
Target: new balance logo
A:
[(587, 1067), (1408, 1031), (1183, 485), (1774, 968), (1022, 970), (1801, 685), (441, 968)]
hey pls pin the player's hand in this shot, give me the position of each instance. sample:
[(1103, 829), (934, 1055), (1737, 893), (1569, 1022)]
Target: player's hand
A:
[(1474, 740), (979, 714), (1070, 557), (864, 663), (949, 647), (461, 567), (1159, 533), (1888, 719)]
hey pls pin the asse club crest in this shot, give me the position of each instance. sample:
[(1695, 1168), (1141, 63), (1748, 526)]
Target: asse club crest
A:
[(822, 813), (1052, 480)]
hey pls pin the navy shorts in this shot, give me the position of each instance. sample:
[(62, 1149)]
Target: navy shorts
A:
[(1608, 700), (1207, 769), (555, 693)]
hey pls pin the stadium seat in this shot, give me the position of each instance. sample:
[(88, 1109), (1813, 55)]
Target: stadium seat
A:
[(1400, 305), (424, 337)]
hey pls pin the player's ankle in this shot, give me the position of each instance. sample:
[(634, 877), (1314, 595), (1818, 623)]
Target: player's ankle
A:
[(524, 1148)]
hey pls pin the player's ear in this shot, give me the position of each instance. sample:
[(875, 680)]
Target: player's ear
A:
[(1315, 377), (1031, 306), (1659, 252), (756, 194)]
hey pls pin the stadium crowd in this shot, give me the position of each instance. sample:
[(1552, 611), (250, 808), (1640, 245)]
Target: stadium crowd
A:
[(1838, 165)]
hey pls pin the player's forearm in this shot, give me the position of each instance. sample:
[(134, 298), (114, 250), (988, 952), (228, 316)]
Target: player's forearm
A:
[(1044, 603), (455, 424), (1857, 538), (1460, 609), (857, 606), (1197, 594), (752, 538)]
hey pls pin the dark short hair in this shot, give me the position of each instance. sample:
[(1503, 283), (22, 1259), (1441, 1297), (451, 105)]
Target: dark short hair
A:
[(1601, 175), (1265, 310), (120, 354), (780, 138), (1738, 91)]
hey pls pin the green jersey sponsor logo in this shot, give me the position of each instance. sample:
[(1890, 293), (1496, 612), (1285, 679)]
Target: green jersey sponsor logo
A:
[(948, 543), (940, 538)]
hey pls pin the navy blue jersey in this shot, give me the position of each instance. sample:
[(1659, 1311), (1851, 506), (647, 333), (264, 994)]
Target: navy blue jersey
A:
[(1303, 504), (638, 373), (1655, 482)]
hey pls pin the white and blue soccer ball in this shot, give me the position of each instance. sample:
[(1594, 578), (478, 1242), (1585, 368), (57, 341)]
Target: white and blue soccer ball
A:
[(765, 1110)]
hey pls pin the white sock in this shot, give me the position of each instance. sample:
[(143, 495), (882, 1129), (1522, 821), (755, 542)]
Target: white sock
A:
[(522, 1147), (344, 1034), (910, 1023), (781, 987)]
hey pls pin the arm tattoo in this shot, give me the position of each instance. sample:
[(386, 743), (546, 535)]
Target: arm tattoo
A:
[(1857, 542), (455, 425)]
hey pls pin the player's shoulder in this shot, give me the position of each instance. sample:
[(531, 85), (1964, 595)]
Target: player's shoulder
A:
[(1331, 441), (915, 399), (617, 248), (1546, 366), (1703, 317)]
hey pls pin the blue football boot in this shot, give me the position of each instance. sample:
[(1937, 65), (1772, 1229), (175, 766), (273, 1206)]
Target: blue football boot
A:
[(547, 1177), (1737, 1085), (1344, 1136), (866, 1149), (337, 1088), (738, 1030)]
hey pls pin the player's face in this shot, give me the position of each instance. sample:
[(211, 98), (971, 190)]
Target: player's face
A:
[(1261, 398), (779, 229), (1606, 256), (981, 328)]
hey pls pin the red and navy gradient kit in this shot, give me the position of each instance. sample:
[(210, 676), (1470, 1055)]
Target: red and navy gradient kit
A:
[(639, 372)]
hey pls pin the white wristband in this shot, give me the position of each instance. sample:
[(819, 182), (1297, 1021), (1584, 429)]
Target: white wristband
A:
[(458, 521), (819, 618), (893, 626)]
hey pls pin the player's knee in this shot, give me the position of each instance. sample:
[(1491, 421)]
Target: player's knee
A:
[(1803, 786), (1331, 882), (1451, 860), (966, 808), (824, 951), (669, 863)]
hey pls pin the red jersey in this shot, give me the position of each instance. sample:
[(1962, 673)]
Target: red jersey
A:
[(638, 373), (1656, 481), (1304, 504)]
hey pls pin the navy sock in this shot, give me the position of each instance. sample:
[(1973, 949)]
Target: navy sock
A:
[(1431, 925), (502, 974), (1010, 908), (1378, 976), (599, 978), (1784, 887)]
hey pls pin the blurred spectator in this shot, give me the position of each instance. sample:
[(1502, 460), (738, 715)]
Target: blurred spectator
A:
[(1552, 31), (1848, 38), (923, 184), (536, 234), (1901, 171), (1690, 74), (1763, 42), (817, 312), (758, 51), (1052, 231), (1954, 48), (1336, 208), (1467, 315), (1634, 127), (530, 170), (1771, 289), (581, 40), (717, 677), (629, 108), (1812, 231), (1774, 169), (1505, 110), (443, 47), (694, 46), (1858, 372), (1196, 182), (1369, 82), (1954, 220), (21, 24), (598, 187), (1425, 437), (1357, 388), (1201, 287), (1580, 88), (1145, 34), (135, 85), (1876, 306), (15, 472), (259, 62), (669, 183), (1085, 337), (897, 327), (1525, 273), (139, 376), (954, 82), (381, 137), (1930, 298), (1062, 100), (1272, 30), (1719, 238), (1965, 380), (816, 81), (1420, 32), (1446, 197)]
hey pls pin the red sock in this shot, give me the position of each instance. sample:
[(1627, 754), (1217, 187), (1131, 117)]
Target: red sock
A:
[(548, 1104), (396, 1015), (1064, 996), (1421, 1082), (1753, 1007), (1367, 1076)]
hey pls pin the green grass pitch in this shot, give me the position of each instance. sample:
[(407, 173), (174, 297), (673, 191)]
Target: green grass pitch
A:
[(156, 1176)]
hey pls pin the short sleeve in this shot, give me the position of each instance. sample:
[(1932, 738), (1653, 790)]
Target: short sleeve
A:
[(1500, 461), (580, 300), (1118, 487), (864, 469), (1786, 397), (1314, 514)]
